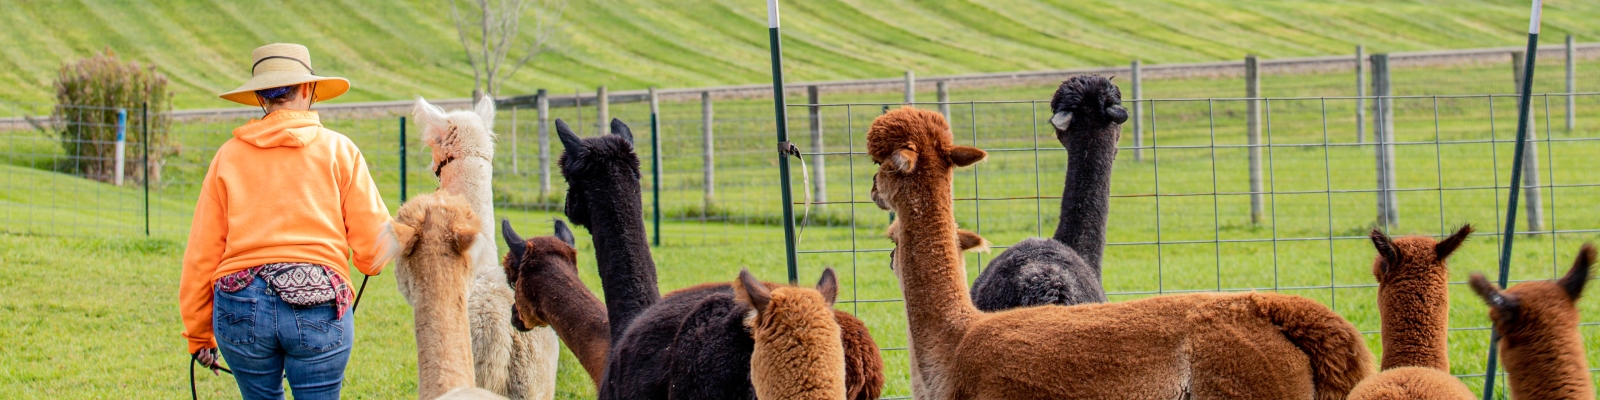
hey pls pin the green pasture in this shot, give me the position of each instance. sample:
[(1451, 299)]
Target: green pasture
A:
[(397, 49)]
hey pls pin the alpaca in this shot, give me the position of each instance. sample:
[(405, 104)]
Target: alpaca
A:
[(435, 233), (1065, 269), (1539, 340), (1414, 300), (798, 351), (544, 273), (1208, 345), (521, 365), (603, 195)]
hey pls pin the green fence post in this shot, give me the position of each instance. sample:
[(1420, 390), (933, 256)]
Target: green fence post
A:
[(655, 166), (402, 159)]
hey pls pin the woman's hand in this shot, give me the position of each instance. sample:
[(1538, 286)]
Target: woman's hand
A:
[(208, 357)]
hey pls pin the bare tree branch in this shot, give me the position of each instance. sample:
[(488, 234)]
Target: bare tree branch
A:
[(461, 31), (499, 33)]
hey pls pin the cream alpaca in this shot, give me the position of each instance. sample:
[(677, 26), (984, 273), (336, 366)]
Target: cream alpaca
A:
[(435, 232), (798, 353), (521, 365)]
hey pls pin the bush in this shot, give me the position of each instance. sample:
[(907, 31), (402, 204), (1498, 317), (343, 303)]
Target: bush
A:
[(88, 94)]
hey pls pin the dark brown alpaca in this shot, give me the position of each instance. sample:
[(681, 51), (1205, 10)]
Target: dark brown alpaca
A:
[(1414, 299), (1248, 345), (544, 273), (1538, 326)]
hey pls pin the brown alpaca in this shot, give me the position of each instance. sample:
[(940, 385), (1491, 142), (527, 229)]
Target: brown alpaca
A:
[(544, 273), (798, 352), (435, 233), (1539, 340), (1414, 299), (1249, 345)]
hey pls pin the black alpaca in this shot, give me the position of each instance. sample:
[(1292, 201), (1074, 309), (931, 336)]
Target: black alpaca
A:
[(1065, 269), (603, 195)]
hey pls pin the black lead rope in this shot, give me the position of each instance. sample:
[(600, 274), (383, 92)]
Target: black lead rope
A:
[(363, 289)]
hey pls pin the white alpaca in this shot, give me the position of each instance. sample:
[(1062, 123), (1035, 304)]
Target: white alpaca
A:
[(521, 365)]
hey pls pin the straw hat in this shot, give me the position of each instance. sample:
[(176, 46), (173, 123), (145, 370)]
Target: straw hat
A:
[(284, 64)]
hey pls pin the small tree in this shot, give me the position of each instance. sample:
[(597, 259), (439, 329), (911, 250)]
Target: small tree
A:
[(492, 29), (88, 95)]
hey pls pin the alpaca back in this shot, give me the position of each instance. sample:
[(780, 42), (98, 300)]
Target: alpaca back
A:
[(798, 352), (435, 232)]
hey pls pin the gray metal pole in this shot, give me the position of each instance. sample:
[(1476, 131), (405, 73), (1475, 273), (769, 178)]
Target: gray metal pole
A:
[(543, 103), (1572, 85), (602, 119), (655, 165), (1252, 79), (1138, 113), (706, 124), (1383, 134), (943, 88), (819, 176), (1534, 205), (515, 170), (1361, 94), (911, 87)]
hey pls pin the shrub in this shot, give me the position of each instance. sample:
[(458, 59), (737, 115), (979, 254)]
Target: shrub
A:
[(88, 94)]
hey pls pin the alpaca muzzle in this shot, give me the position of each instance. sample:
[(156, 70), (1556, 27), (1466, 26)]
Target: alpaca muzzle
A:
[(516, 321)]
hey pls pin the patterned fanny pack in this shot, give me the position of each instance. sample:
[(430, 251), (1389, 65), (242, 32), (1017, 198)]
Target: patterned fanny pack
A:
[(299, 284)]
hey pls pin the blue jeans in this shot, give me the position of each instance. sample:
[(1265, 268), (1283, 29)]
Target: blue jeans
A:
[(265, 340)]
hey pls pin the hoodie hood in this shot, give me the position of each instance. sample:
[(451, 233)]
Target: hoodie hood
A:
[(281, 129)]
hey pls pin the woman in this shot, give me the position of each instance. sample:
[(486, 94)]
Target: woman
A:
[(285, 206)]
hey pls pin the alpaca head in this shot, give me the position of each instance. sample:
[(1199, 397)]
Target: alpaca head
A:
[(456, 134), (1088, 102), (798, 351), (914, 148), (539, 269), (434, 232), (1414, 258), (1532, 310), (595, 162)]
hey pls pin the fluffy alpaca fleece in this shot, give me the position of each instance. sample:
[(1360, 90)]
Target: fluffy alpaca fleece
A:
[(1414, 300), (1065, 269), (1249, 345), (435, 233), (470, 393), (544, 272), (519, 365), (798, 353), (1539, 339)]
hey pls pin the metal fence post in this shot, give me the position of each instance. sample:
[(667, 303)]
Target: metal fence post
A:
[(121, 147), (515, 170), (943, 90), (1361, 94), (1252, 80), (144, 128), (820, 177), (1530, 155), (781, 117), (655, 166), (402, 159), (709, 152), (542, 103), (602, 118), (1383, 134), (1138, 112), (911, 87), (1572, 85)]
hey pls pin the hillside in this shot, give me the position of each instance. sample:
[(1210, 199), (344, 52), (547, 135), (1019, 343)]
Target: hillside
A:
[(397, 49)]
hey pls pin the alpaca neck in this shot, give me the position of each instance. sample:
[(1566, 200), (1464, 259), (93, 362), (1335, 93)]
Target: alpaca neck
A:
[(1085, 198), (622, 253), (470, 177), (932, 272), (1416, 321), (580, 320), (444, 342), (1548, 365)]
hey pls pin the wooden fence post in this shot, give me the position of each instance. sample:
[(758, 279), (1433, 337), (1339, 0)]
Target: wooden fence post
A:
[(1361, 94), (1572, 85), (1138, 113), (707, 149), (911, 87), (819, 174), (1383, 134), (602, 119), (515, 170), (1252, 79), (542, 102), (1531, 200), (943, 89)]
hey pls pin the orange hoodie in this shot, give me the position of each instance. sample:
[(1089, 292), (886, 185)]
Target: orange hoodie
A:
[(284, 189)]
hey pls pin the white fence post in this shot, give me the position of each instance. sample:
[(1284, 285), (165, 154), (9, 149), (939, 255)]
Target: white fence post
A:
[(819, 169), (1138, 113), (122, 146), (708, 146), (1531, 200), (1383, 134), (1252, 79), (543, 104)]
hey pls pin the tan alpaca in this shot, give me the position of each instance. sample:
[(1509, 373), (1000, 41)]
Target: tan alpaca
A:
[(1414, 299), (1539, 339), (1247, 345), (798, 352), (435, 234)]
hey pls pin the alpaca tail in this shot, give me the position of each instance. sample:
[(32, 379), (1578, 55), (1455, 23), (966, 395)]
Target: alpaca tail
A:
[(1339, 356)]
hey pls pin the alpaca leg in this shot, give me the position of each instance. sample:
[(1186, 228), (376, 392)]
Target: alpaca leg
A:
[(489, 305), (534, 357)]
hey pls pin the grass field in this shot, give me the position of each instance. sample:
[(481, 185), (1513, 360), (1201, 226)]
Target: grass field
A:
[(116, 334), (398, 49)]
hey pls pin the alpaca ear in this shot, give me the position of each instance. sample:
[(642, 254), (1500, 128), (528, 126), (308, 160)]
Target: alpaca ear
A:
[(828, 285), (429, 115), (971, 241), (750, 291), (564, 233), (485, 111), (620, 129), (569, 140), (465, 234), (1450, 244), (514, 241), (903, 160), (1061, 120), (1576, 278), (1506, 303), (405, 237), (1386, 249), (963, 156)]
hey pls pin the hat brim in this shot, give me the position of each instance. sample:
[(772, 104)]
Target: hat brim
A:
[(327, 87)]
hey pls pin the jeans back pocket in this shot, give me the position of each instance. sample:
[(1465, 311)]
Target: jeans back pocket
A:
[(234, 318), (320, 328)]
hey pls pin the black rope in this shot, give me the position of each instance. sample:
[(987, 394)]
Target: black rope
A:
[(194, 394), (363, 289)]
